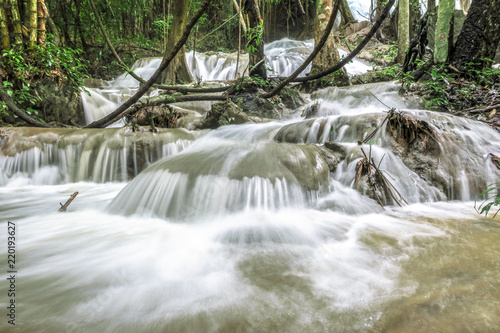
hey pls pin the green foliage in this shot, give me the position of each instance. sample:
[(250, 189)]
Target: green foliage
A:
[(386, 54), (253, 81), (255, 37), (391, 71), (225, 120), (492, 198), (448, 89), (63, 65), (161, 24)]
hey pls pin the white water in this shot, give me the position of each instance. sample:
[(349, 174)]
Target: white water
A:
[(233, 231)]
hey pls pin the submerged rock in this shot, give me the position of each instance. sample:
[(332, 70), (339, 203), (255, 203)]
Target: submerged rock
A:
[(225, 113), (230, 176)]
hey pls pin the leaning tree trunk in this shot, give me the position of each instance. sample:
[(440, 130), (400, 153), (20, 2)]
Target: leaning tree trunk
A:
[(257, 63), (177, 71), (480, 34), (328, 55)]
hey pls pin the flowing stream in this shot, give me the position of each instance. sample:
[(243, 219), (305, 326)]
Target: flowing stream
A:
[(251, 228)]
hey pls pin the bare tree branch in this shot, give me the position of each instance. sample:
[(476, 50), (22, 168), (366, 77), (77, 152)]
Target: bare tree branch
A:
[(351, 55)]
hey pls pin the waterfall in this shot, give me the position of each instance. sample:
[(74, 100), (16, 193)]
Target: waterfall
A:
[(283, 57), (255, 227), (59, 155), (235, 229)]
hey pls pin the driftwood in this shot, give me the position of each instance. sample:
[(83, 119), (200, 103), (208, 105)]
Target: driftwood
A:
[(405, 129), (65, 206)]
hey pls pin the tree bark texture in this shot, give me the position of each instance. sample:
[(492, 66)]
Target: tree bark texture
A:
[(42, 32), (329, 54), (443, 39), (4, 29), (33, 19), (480, 35), (177, 71), (403, 29), (16, 22), (255, 40), (347, 17)]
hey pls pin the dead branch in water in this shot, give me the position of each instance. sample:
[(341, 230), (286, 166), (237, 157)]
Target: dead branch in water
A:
[(376, 179), (71, 198)]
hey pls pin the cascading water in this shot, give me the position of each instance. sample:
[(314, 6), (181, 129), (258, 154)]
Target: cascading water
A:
[(283, 58), (254, 227), (60, 155)]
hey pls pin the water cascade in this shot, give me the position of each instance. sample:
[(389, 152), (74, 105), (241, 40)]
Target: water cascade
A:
[(283, 58), (259, 227), (40, 157)]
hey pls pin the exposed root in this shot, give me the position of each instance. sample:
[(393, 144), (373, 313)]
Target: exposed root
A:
[(496, 160), (407, 130)]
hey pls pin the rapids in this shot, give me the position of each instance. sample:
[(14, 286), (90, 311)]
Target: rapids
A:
[(253, 227)]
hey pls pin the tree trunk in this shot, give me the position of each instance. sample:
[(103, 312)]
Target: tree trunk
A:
[(4, 29), (79, 26), (328, 55), (178, 71), (414, 17), (347, 17), (378, 11), (431, 4), (42, 33), (242, 20), (16, 22), (255, 40), (403, 29), (25, 10), (52, 26), (443, 40), (465, 4), (480, 34), (33, 26)]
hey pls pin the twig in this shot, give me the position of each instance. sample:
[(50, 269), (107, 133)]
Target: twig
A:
[(483, 110), (71, 198)]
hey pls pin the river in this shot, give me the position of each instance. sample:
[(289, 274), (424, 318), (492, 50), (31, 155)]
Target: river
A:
[(248, 229)]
